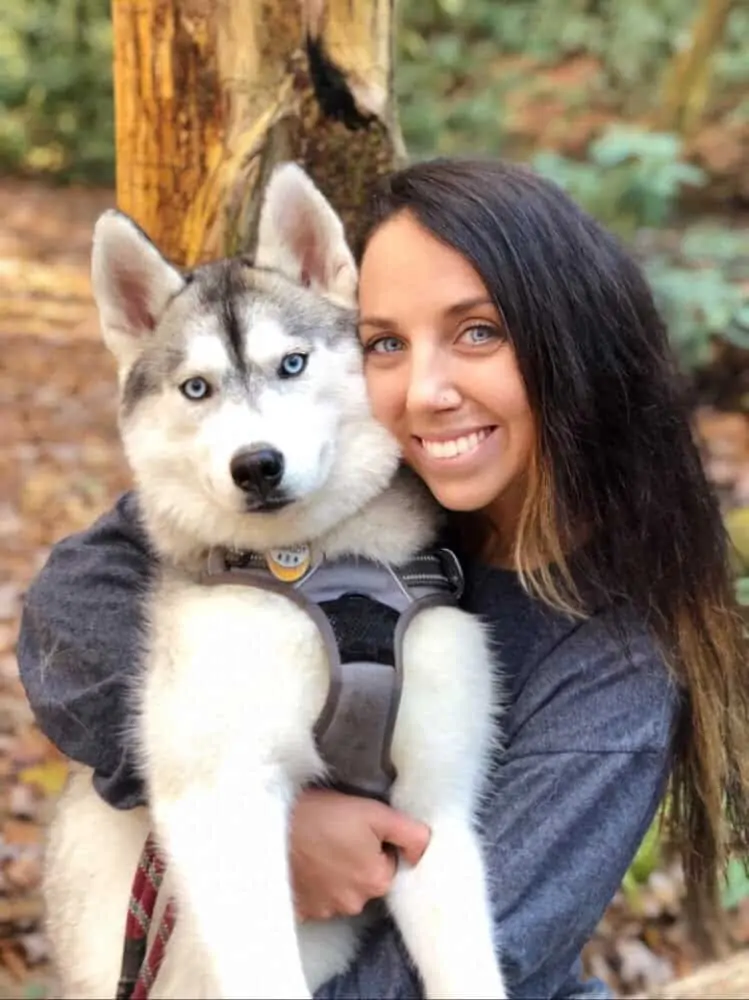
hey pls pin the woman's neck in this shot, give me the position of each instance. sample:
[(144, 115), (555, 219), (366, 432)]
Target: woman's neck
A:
[(478, 538)]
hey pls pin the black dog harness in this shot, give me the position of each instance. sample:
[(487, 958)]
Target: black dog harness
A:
[(362, 609)]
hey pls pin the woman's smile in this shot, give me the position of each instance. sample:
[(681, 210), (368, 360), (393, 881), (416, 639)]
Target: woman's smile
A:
[(441, 373), (458, 451)]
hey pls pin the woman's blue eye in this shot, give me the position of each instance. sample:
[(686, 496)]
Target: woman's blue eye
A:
[(482, 334), (384, 345), (195, 389), (292, 365)]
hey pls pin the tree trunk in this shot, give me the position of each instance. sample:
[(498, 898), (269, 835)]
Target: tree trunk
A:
[(211, 94), (687, 79)]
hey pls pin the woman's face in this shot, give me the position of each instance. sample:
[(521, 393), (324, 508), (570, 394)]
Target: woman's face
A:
[(441, 375)]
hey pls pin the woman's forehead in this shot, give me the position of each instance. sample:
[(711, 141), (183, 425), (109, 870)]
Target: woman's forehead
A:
[(404, 261)]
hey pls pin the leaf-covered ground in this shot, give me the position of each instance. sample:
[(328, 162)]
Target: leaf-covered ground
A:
[(61, 465)]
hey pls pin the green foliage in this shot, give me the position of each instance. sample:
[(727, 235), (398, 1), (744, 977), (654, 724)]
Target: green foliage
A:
[(646, 861), (441, 109), (700, 304), (453, 77), (56, 105), (700, 289), (732, 64), (737, 526), (736, 887), (632, 178), (631, 37)]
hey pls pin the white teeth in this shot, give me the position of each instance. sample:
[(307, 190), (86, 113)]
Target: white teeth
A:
[(456, 446)]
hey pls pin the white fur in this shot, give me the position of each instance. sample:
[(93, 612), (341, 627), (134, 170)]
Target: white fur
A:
[(234, 680)]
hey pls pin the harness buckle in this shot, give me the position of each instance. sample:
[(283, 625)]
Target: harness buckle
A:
[(453, 571)]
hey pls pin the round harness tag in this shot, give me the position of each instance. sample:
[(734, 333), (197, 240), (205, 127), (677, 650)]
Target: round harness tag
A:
[(289, 564)]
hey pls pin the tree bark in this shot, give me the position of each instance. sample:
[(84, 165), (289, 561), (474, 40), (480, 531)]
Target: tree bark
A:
[(687, 79), (211, 94)]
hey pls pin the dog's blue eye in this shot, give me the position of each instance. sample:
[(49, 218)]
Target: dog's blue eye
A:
[(195, 389), (292, 365)]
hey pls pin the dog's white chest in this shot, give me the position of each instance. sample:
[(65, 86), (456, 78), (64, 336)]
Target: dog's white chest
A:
[(231, 665)]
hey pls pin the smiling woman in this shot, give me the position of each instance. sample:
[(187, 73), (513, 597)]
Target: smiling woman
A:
[(441, 373)]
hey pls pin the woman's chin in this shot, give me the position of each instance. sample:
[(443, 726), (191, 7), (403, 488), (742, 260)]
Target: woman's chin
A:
[(461, 497)]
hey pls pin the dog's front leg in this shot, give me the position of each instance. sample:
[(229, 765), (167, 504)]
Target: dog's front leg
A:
[(442, 909), (227, 842)]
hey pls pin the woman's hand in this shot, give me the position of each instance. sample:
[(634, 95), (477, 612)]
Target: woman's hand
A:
[(339, 857)]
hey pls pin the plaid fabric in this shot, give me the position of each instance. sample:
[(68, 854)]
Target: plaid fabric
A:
[(139, 967)]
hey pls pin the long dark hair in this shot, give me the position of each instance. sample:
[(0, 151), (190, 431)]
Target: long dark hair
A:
[(615, 460)]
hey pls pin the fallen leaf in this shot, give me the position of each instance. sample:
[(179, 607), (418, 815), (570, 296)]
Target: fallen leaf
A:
[(13, 962), (21, 833), (50, 776), (640, 964), (24, 872), (20, 909)]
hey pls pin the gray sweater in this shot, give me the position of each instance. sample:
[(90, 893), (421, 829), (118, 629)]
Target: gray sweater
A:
[(587, 746)]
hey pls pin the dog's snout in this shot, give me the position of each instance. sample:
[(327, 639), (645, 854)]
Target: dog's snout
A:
[(257, 470)]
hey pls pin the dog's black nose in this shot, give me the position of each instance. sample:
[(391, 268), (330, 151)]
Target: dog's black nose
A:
[(257, 470)]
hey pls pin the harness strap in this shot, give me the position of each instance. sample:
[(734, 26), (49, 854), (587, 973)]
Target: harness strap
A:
[(436, 569), (354, 730)]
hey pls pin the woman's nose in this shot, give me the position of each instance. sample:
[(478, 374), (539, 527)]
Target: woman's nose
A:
[(430, 387)]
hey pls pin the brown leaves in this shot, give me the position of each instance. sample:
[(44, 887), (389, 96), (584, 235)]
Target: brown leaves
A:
[(60, 466), (31, 773)]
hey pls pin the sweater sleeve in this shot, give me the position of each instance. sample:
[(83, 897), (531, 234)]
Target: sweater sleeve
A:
[(569, 802), (78, 647)]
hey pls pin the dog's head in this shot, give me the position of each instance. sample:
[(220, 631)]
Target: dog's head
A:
[(243, 406)]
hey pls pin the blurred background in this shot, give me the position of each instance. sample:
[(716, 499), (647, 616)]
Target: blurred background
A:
[(639, 108)]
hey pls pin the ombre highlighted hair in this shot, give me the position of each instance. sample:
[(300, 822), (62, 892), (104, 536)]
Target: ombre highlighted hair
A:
[(618, 507)]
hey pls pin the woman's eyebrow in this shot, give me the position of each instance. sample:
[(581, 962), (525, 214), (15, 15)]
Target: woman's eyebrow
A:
[(467, 304), (382, 324), (456, 309)]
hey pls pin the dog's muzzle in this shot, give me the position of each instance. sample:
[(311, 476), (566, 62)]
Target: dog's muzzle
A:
[(258, 473)]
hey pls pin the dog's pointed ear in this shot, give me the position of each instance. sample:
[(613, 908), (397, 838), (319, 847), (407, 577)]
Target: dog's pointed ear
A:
[(132, 281), (301, 235)]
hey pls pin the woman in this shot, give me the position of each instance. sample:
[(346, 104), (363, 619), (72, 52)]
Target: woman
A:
[(513, 348)]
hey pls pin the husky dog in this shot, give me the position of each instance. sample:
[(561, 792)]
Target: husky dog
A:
[(245, 420)]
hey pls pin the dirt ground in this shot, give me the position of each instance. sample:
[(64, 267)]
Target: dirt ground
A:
[(60, 466)]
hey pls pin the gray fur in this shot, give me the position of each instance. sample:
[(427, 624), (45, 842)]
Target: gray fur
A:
[(228, 282), (226, 291), (148, 374)]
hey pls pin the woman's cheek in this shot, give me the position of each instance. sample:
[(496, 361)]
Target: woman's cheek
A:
[(383, 399)]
